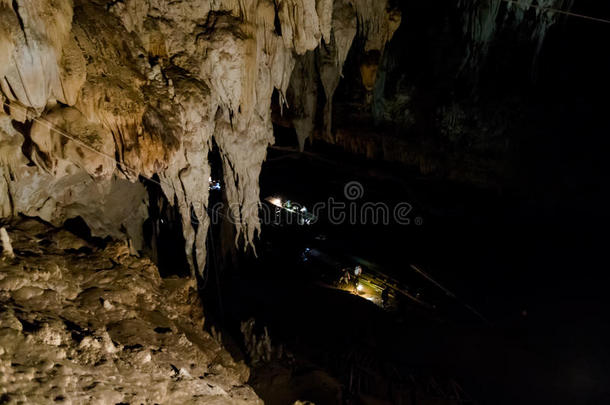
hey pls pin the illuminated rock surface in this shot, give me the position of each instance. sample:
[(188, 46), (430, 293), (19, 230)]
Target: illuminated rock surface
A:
[(82, 324), (152, 84)]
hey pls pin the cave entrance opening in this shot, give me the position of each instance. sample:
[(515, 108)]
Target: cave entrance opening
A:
[(163, 232)]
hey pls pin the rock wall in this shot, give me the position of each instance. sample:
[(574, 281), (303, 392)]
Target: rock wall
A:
[(373, 23), (98, 93), (450, 91), (483, 19)]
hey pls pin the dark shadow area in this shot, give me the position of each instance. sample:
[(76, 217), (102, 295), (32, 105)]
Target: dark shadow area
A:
[(163, 233), (79, 227)]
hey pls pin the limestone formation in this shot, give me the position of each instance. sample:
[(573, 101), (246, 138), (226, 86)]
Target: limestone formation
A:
[(484, 18), (375, 22), (98, 93), (81, 324), (7, 246)]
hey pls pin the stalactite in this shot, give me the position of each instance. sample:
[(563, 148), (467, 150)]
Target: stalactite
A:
[(331, 57), (300, 24), (32, 37), (484, 18), (304, 90), (375, 22), (150, 83), (185, 181)]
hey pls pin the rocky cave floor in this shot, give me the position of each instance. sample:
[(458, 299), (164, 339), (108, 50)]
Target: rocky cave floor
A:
[(85, 324)]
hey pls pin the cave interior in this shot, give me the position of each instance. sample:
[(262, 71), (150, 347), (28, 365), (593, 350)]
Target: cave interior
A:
[(304, 201)]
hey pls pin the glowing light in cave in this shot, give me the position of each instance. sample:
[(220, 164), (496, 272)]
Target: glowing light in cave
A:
[(276, 201)]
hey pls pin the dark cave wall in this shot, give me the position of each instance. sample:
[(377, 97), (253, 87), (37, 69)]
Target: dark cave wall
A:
[(500, 114)]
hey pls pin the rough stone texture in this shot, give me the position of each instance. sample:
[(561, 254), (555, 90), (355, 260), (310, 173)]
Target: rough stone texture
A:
[(80, 324), (152, 84), (375, 22), (333, 56), (445, 92), (483, 20)]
